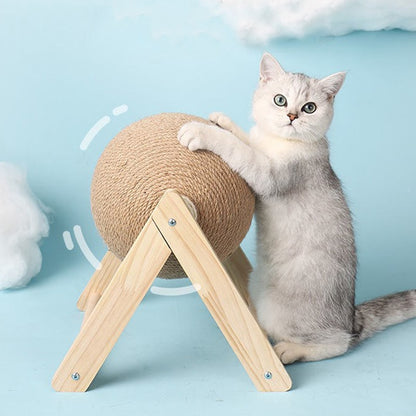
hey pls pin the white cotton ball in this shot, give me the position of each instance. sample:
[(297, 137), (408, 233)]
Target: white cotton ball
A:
[(22, 224), (259, 21)]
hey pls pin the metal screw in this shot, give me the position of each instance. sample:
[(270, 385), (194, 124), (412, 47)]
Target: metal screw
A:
[(75, 376), (172, 222), (268, 375)]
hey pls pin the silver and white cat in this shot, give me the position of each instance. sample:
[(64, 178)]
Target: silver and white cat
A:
[(303, 287)]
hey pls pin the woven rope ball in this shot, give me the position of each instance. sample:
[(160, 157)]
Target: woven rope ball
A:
[(146, 159)]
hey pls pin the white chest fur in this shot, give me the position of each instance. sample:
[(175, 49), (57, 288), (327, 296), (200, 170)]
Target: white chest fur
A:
[(277, 147)]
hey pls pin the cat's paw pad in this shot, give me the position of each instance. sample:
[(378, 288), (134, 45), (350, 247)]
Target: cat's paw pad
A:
[(289, 352), (191, 135), (222, 120)]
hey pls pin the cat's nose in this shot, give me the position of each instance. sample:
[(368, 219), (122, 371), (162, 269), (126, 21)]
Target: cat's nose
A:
[(292, 116)]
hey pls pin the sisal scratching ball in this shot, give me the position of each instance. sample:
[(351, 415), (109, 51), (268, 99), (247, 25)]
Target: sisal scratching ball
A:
[(146, 159)]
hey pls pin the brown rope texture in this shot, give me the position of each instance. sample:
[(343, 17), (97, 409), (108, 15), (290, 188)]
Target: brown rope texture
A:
[(144, 160)]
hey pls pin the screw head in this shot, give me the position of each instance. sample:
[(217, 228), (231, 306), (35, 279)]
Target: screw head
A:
[(75, 376), (172, 222), (268, 375)]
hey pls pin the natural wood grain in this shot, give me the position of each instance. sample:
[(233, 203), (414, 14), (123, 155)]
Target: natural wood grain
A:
[(239, 268), (97, 337), (92, 301), (222, 294), (219, 294), (99, 281)]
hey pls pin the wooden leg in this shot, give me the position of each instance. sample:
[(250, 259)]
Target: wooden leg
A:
[(92, 301), (219, 294), (113, 311), (98, 282), (133, 277), (238, 267)]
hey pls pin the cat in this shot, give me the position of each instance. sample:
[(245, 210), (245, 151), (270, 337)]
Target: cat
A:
[(303, 286)]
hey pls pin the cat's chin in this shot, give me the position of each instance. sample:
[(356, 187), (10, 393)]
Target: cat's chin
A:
[(288, 132)]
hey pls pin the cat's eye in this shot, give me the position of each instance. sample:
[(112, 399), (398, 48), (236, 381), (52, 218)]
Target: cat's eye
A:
[(309, 108), (280, 100)]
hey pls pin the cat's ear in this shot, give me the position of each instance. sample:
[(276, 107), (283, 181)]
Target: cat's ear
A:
[(269, 68), (332, 84)]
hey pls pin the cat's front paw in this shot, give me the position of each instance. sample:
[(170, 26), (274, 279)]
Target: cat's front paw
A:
[(193, 136), (222, 121)]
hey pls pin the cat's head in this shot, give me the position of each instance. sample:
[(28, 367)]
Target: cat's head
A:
[(294, 106)]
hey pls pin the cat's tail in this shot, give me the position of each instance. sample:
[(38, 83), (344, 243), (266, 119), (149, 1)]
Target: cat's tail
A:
[(377, 314)]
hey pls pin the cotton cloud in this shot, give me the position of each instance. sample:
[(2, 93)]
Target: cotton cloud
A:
[(22, 224), (259, 21)]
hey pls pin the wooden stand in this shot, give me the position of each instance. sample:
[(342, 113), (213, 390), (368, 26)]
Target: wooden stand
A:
[(116, 290)]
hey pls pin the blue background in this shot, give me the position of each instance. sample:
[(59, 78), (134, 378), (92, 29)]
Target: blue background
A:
[(63, 67)]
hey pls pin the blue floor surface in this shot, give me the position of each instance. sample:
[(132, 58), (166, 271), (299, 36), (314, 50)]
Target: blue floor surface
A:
[(172, 358)]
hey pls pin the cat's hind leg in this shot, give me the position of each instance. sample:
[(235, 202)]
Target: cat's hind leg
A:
[(289, 352)]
